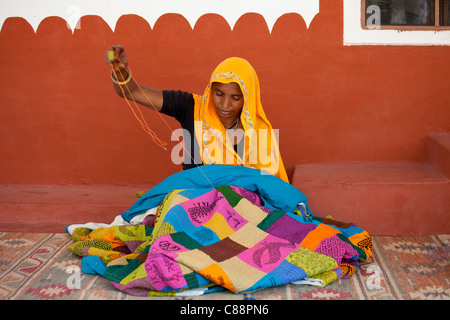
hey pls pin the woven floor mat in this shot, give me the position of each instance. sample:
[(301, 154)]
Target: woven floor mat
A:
[(39, 266)]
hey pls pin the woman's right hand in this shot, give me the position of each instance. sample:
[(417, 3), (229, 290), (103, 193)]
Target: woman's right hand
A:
[(146, 96), (120, 61)]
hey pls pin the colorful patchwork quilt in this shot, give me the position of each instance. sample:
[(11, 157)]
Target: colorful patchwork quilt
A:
[(223, 238)]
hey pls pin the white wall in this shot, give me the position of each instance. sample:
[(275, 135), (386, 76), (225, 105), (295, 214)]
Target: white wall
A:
[(110, 10)]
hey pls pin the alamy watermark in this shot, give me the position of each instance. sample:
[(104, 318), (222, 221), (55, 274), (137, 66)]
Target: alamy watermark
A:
[(374, 280), (263, 151), (74, 18), (74, 280), (374, 20)]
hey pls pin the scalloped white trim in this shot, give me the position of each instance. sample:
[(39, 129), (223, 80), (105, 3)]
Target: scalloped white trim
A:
[(150, 10)]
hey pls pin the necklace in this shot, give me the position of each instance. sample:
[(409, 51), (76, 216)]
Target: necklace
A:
[(234, 125), (234, 130)]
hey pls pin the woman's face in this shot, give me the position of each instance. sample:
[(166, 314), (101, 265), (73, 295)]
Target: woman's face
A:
[(228, 101)]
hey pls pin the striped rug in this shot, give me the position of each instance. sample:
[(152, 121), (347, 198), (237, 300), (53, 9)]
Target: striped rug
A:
[(39, 266)]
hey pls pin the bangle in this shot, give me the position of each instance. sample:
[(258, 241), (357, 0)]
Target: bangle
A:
[(119, 82)]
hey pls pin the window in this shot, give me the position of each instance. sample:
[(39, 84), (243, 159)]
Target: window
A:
[(406, 14), (388, 23)]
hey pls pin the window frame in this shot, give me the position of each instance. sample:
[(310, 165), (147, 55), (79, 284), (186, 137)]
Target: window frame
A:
[(436, 27), (355, 35)]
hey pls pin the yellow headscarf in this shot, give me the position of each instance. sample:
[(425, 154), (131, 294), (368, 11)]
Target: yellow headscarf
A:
[(260, 145)]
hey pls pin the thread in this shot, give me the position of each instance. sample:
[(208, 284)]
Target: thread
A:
[(141, 119)]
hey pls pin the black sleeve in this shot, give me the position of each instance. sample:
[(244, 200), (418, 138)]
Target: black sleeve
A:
[(177, 103)]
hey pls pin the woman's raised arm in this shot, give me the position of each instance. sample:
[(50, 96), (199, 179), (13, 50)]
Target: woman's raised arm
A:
[(123, 81)]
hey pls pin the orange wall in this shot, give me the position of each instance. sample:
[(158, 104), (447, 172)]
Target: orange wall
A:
[(62, 123)]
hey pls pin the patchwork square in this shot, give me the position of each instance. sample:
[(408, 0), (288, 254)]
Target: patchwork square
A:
[(336, 248), (253, 197), (248, 235), (219, 225), (203, 235), (268, 253), (163, 272), (194, 259), (250, 212), (201, 209), (223, 249), (316, 236), (172, 199), (166, 246), (217, 275), (290, 229), (241, 274), (284, 273), (183, 239), (311, 262), (191, 279)]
